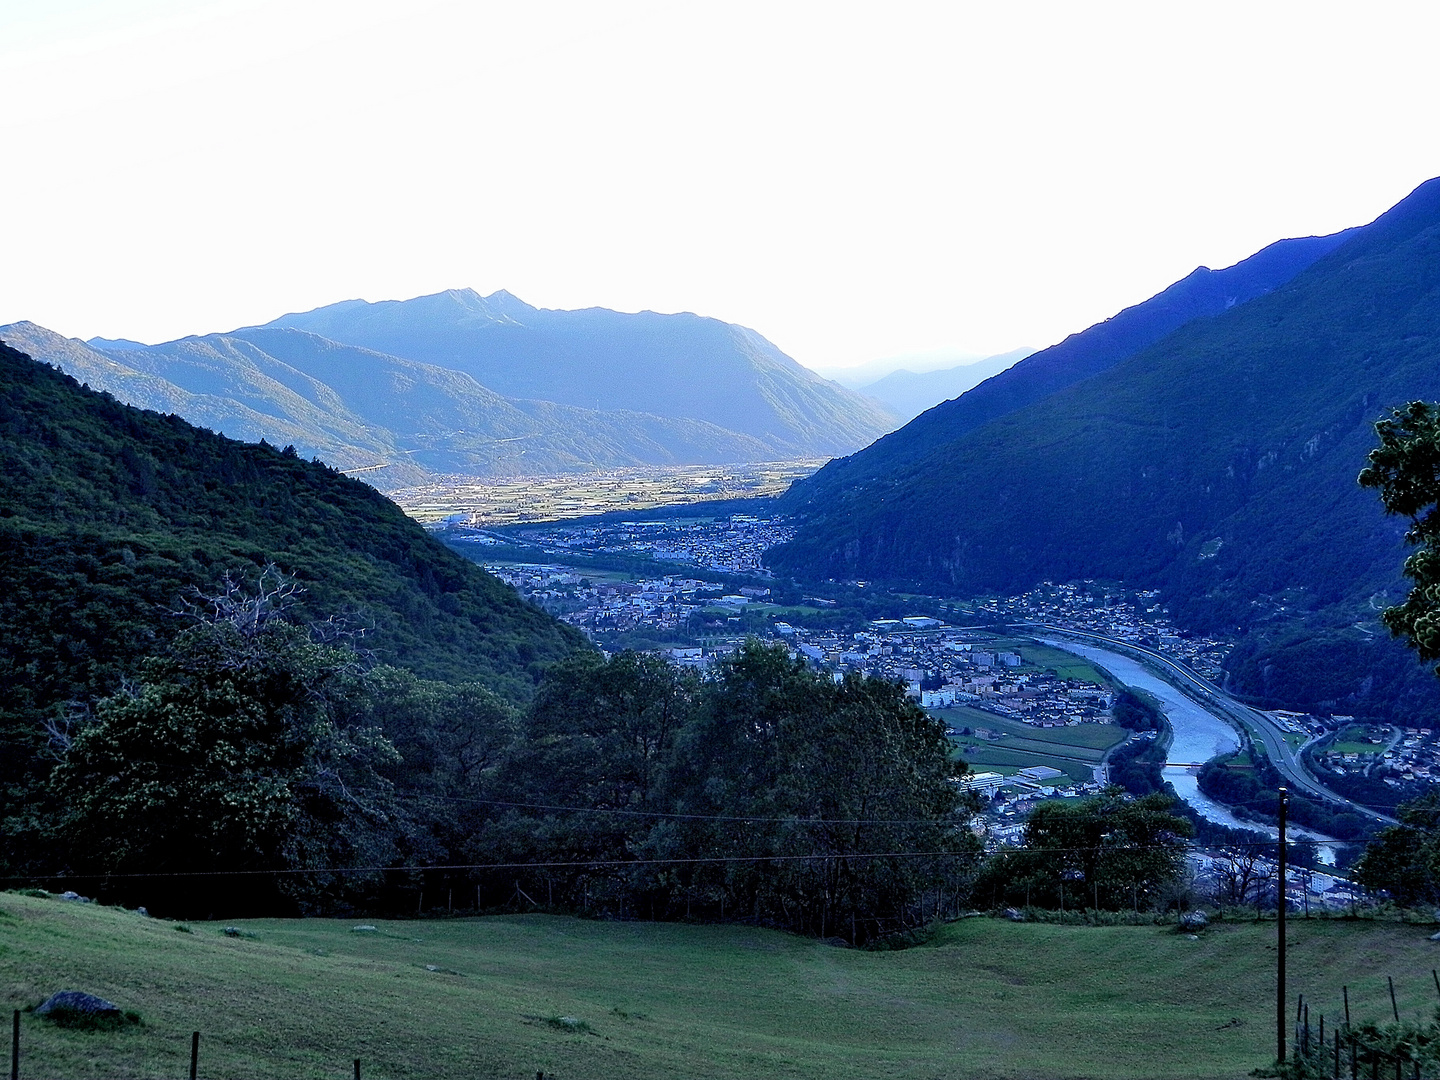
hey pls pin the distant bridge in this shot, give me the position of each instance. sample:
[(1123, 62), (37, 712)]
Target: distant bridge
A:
[(1197, 764)]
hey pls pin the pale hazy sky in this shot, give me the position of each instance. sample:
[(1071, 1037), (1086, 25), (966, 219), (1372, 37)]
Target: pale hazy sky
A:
[(852, 181)]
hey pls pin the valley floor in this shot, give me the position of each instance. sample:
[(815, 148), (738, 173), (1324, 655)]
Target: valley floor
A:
[(508, 996), (508, 500)]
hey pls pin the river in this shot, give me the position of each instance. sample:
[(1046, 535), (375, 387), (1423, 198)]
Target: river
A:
[(1199, 735)]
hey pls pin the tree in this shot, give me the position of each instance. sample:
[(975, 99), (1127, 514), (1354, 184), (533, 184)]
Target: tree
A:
[(239, 750), (1405, 468), (1242, 875), (1404, 860), (825, 794), (766, 791), (1109, 851), (583, 778)]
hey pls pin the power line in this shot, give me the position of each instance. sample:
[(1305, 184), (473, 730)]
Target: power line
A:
[(734, 818), (618, 863)]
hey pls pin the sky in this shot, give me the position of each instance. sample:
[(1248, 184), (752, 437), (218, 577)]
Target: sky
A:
[(852, 181)]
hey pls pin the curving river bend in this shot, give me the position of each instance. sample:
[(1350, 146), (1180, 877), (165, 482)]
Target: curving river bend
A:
[(1199, 735)]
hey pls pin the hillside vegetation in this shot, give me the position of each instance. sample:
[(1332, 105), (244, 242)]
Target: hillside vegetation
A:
[(1219, 465), (111, 516), (509, 996)]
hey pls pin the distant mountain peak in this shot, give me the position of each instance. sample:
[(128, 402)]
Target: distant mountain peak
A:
[(505, 297), (116, 344)]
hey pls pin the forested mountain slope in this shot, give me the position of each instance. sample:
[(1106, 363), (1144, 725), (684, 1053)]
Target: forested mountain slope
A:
[(680, 366), (109, 515), (357, 408), (1202, 293), (1219, 464)]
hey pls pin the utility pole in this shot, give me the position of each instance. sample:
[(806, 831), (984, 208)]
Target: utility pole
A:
[(1280, 942)]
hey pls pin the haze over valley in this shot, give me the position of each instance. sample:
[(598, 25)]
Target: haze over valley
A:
[(653, 540)]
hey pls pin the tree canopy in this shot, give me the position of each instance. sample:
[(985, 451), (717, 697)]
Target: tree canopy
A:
[(1109, 851), (1405, 469)]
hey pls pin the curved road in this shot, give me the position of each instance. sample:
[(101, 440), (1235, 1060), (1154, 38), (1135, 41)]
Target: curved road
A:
[(1285, 758)]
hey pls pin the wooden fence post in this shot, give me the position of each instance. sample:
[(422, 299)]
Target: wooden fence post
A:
[(194, 1053), (15, 1047), (357, 1069)]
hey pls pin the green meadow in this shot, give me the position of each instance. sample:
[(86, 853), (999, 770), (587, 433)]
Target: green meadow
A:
[(1072, 750), (510, 996)]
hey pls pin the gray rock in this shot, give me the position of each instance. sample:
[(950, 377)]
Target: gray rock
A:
[(77, 1003), (1435, 937), (142, 911), (1014, 914), (75, 896), (1194, 920), (364, 930)]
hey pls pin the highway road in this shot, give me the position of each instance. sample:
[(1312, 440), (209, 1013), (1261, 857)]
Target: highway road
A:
[(1262, 729)]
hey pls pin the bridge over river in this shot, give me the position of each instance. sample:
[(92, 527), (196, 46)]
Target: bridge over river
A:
[(1205, 723)]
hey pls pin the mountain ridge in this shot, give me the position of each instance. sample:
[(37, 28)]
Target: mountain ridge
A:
[(1216, 464), (355, 407), (1202, 292), (667, 364), (907, 393)]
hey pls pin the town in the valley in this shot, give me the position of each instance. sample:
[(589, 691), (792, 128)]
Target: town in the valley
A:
[(1033, 722)]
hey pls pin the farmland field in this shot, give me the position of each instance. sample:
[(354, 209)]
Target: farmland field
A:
[(1065, 665), (507, 996), (995, 757), (1072, 750), (513, 499), (1092, 736)]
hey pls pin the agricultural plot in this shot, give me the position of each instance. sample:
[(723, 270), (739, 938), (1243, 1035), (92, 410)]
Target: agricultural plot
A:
[(996, 757), (1072, 750), (515, 499), (1065, 665)]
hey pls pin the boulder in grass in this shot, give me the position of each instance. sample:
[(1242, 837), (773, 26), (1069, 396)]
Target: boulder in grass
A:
[(74, 1008), (1192, 921), (1014, 914)]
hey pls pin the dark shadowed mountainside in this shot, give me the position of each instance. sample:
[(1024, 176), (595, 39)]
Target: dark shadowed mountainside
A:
[(1218, 464), (109, 515), (1202, 293), (680, 366)]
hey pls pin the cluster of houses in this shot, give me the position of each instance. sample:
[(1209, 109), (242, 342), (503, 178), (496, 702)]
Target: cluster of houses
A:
[(1397, 756), (1138, 618), (732, 545), (662, 605)]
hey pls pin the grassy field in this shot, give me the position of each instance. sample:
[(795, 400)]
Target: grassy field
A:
[(1084, 736), (1065, 665), (514, 995), (1072, 750), (995, 757)]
